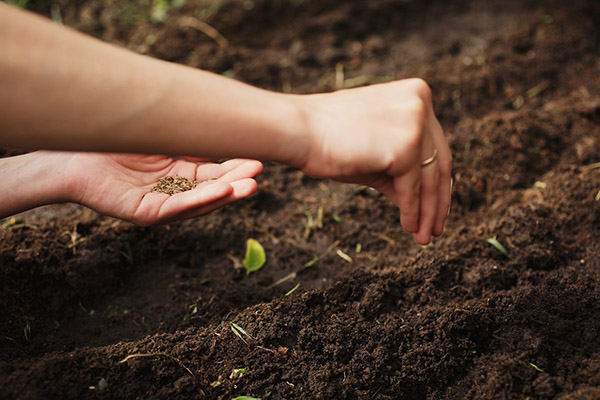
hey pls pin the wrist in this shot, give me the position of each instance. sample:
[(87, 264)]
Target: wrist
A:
[(294, 123), (33, 180)]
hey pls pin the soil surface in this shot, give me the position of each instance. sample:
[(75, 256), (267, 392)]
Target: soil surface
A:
[(95, 308)]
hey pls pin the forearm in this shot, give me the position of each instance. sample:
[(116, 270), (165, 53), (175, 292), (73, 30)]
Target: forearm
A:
[(60, 89), (32, 180)]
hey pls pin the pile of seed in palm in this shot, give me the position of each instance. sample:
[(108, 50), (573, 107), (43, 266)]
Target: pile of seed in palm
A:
[(172, 185)]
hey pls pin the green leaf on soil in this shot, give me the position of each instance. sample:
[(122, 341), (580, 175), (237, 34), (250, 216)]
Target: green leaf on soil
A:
[(536, 367), (12, 222), (494, 242), (238, 373), (344, 256), (246, 398), (292, 290), (240, 332), (312, 261), (255, 256), (252, 398)]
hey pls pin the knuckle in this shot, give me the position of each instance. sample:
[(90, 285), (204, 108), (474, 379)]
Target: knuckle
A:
[(422, 88)]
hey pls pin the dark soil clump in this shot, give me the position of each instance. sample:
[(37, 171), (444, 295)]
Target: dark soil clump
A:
[(517, 90)]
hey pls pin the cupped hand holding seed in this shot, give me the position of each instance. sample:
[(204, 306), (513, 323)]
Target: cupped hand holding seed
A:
[(385, 136), (120, 185)]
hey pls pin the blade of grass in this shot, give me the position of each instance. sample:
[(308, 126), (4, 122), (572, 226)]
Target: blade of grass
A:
[(292, 290), (494, 242)]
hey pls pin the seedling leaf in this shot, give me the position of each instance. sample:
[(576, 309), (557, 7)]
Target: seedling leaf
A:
[(494, 242), (246, 398), (312, 261), (336, 218), (239, 331), (292, 290), (255, 256), (344, 256), (238, 372), (536, 367)]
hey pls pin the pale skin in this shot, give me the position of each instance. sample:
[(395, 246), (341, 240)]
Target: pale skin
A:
[(71, 94)]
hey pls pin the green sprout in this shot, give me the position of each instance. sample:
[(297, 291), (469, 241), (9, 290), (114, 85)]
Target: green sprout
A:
[(494, 242), (240, 332), (255, 256), (536, 367), (128, 254), (12, 222), (159, 10), (312, 261), (309, 224), (238, 373), (292, 290), (27, 331), (344, 256), (252, 398)]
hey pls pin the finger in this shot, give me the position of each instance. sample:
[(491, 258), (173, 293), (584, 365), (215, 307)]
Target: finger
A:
[(444, 161), (215, 171), (160, 207), (428, 203), (248, 169), (195, 159), (407, 190), (241, 189)]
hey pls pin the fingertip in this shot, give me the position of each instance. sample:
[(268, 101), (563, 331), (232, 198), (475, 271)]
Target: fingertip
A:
[(254, 166), (422, 238), (244, 188)]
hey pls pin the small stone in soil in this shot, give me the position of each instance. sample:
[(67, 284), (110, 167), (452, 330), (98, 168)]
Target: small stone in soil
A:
[(172, 185)]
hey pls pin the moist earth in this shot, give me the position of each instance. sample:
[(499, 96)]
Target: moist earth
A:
[(96, 308)]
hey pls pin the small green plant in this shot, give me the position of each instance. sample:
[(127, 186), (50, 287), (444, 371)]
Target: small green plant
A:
[(12, 222), (344, 256), (309, 224), (246, 398), (128, 254), (27, 331), (494, 242), (536, 367), (292, 290), (255, 256), (335, 217), (252, 398), (240, 332), (238, 373)]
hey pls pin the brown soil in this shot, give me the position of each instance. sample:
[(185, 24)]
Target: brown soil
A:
[(517, 88)]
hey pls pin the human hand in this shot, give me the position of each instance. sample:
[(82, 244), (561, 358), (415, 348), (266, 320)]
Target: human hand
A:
[(119, 185), (380, 136)]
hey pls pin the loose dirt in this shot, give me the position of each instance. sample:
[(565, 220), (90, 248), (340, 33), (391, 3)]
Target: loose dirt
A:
[(517, 89)]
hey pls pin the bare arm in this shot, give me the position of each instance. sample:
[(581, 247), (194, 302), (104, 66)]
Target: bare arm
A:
[(60, 89), (63, 90)]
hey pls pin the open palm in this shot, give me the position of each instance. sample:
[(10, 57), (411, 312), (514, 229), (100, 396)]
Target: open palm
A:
[(120, 185)]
